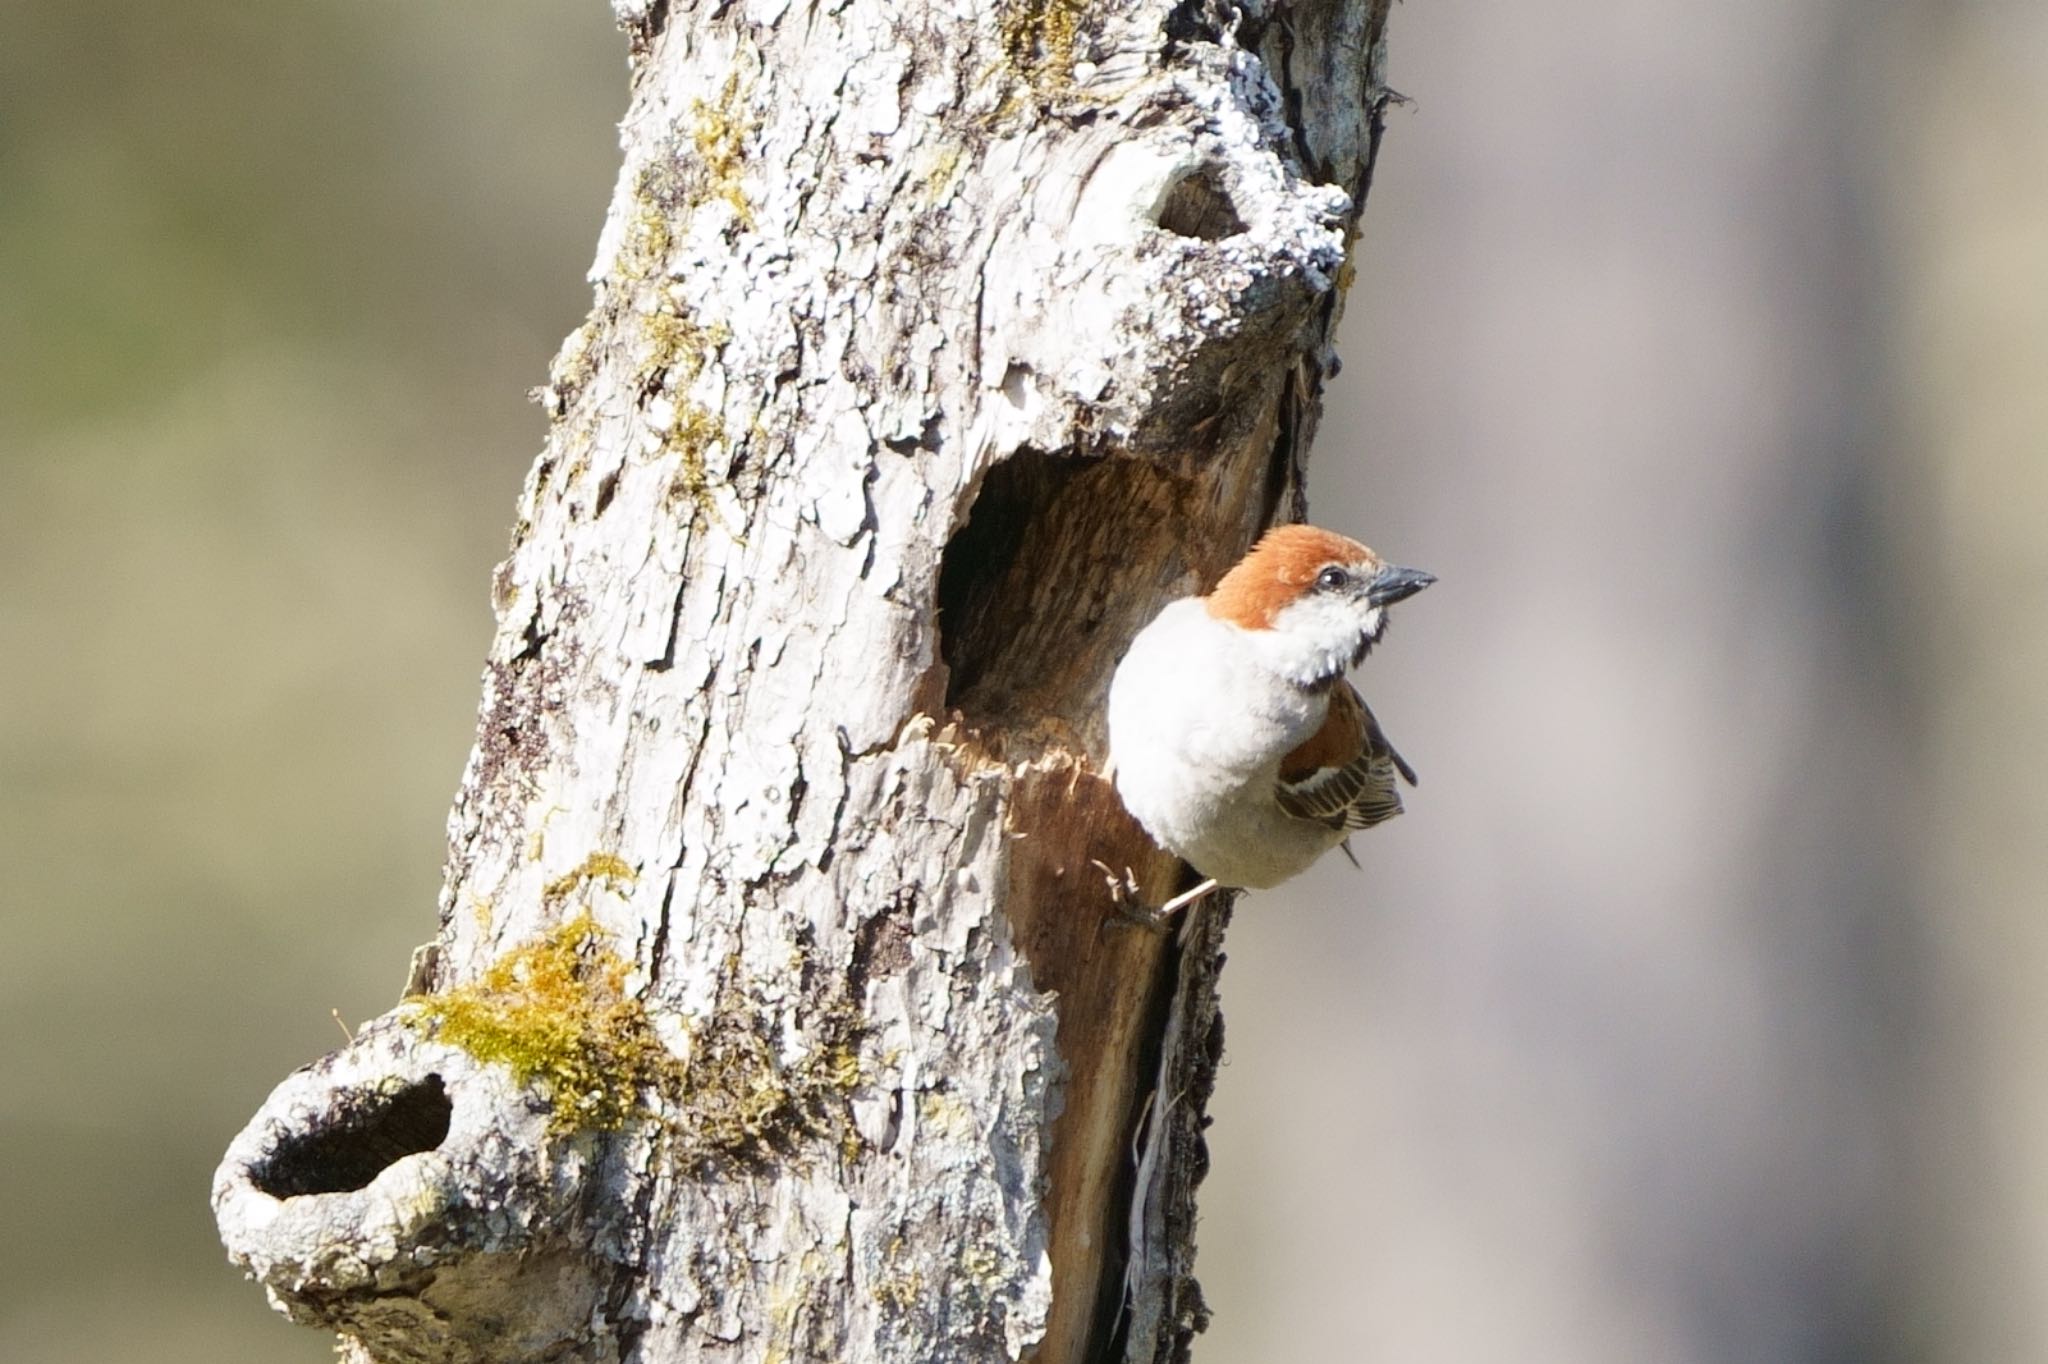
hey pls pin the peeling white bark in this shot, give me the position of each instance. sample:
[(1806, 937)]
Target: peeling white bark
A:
[(880, 277)]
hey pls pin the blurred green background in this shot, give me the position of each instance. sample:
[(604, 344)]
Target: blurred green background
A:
[(1694, 1013), (276, 281)]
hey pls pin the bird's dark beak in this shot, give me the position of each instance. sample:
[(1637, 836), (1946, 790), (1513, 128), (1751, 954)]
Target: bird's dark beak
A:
[(1394, 583)]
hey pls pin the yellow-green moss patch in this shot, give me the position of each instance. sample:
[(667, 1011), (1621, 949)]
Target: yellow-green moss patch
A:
[(599, 866), (675, 346), (943, 171), (675, 350), (720, 139), (644, 247), (690, 440), (1039, 38), (738, 1101), (556, 1013)]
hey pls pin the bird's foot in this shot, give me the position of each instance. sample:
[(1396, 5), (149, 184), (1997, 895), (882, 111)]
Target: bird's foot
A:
[(1123, 897)]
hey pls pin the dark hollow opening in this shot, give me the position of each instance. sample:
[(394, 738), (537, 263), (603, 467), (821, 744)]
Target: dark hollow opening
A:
[(1060, 561), (368, 1133), (975, 574), (1198, 206)]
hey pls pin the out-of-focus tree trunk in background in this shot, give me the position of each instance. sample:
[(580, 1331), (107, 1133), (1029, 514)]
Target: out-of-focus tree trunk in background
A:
[(932, 352), (1629, 392), (1972, 354), (1713, 342)]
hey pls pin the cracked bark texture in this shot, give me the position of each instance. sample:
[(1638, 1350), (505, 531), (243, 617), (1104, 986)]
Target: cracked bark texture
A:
[(934, 347)]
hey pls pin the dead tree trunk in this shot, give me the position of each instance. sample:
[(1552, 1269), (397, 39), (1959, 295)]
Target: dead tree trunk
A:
[(779, 1011)]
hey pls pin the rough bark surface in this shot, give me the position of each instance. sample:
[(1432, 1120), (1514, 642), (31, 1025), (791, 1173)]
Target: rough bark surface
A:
[(935, 346)]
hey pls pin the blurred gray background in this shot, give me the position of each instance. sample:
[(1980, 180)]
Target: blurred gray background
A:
[(1695, 1011)]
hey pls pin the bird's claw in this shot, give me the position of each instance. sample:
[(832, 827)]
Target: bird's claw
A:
[(1122, 887), (1123, 897)]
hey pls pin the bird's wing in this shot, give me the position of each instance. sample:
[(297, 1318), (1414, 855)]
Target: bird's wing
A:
[(1344, 775)]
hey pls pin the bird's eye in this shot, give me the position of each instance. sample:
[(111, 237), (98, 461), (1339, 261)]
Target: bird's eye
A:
[(1333, 579)]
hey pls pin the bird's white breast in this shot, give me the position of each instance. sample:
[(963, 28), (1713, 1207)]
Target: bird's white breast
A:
[(1197, 728)]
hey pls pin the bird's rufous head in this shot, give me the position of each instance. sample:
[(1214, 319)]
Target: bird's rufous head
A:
[(1313, 601)]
